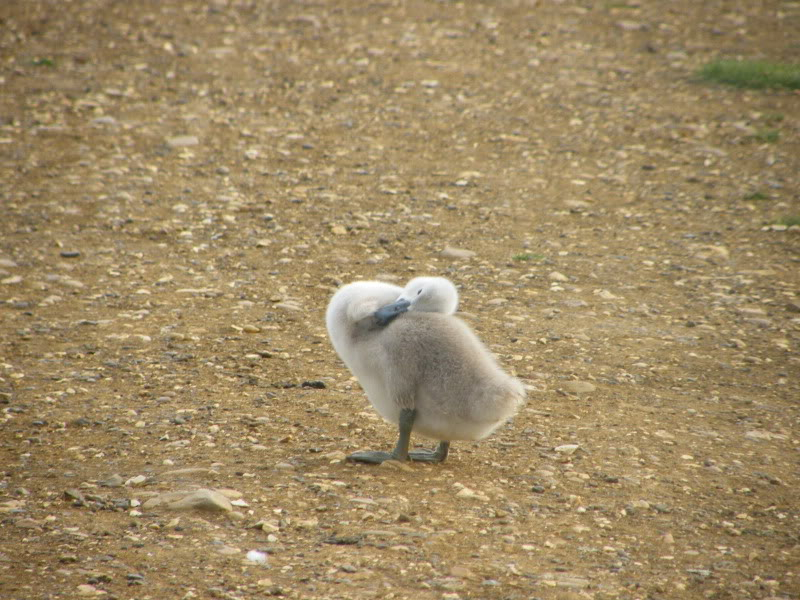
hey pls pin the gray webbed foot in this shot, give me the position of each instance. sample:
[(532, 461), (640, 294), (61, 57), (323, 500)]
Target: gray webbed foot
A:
[(431, 456), (370, 457)]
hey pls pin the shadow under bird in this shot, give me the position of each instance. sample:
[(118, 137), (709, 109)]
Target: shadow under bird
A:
[(423, 368)]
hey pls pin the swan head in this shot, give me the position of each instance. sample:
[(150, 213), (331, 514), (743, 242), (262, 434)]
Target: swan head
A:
[(431, 294), (422, 294)]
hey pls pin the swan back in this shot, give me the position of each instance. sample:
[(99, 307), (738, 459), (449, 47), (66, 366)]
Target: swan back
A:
[(436, 364)]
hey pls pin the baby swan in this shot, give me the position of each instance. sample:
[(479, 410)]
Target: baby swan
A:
[(422, 368)]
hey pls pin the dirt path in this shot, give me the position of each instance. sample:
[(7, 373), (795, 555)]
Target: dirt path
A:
[(185, 184)]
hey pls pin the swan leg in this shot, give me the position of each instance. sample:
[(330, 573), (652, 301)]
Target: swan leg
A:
[(400, 452)]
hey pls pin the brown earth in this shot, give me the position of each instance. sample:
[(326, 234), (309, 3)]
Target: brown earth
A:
[(163, 296)]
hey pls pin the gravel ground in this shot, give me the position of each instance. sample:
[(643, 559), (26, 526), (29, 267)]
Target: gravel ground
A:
[(186, 183)]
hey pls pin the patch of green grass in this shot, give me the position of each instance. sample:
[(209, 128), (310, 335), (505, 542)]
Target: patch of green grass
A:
[(43, 62), (756, 196), (523, 256), (772, 117), (789, 221), (768, 136), (754, 74)]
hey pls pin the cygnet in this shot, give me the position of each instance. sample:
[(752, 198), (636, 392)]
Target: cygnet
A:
[(422, 368)]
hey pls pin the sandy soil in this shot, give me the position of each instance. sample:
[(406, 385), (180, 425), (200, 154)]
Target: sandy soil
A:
[(185, 184)]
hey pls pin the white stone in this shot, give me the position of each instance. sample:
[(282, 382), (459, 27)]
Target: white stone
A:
[(258, 557)]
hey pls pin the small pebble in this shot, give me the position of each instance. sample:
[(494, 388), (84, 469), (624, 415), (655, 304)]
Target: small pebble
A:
[(466, 492), (458, 253), (567, 448), (137, 480), (288, 305), (182, 141), (316, 384), (113, 481), (630, 25), (579, 387), (202, 499), (89, 590)]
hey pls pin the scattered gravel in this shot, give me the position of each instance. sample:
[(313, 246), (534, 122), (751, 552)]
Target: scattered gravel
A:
[(186, 184)]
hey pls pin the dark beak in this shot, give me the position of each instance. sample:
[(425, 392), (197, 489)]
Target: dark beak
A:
[(385, 314)]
